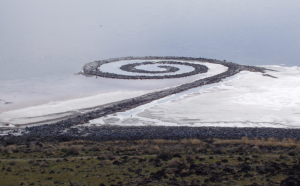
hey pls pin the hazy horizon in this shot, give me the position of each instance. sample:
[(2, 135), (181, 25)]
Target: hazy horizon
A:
[(54, 38)]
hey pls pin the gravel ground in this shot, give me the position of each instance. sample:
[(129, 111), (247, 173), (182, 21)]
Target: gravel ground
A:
[(111, 133)]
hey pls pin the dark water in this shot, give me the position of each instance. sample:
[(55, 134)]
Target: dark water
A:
[(52, 38)]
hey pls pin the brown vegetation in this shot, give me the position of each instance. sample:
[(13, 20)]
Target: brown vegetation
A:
[(159, 160)]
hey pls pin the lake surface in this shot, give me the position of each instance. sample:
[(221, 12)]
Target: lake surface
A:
[(55, 38), (43, 43)]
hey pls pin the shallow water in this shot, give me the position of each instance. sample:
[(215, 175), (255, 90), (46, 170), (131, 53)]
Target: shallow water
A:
[(55, 38), (21, 93)]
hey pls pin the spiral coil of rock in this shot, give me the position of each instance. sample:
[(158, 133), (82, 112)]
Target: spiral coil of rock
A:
[(131, 67)]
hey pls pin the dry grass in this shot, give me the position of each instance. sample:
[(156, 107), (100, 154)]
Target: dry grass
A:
[(172, 141), (12, 147), (111, 148), (78, 142), (164, 154), (115, 142), (155, 146), (138, 157), (50, 152), (96, 148), (44, 164), (142, 142), (74, 150), (195, 142), (111, 156), (297, 149), (9, 169), (162, 141), (121, 149), (27, 168), (153, 149), (119, 142), (185, 141), (121, 155), (106, 162), (102, 157), (159, 141), (7, 150), (173, 163), (219, 150), (271, 142), (12, 163), (256, 149), (190, 158)]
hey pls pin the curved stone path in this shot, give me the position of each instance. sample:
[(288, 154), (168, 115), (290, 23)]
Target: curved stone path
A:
[(198, 69)]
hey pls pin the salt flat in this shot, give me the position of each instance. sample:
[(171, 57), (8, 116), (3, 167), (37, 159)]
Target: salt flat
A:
[(247, 99)]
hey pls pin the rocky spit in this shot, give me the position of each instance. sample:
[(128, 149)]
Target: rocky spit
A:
[(198, 69), (68, 129)]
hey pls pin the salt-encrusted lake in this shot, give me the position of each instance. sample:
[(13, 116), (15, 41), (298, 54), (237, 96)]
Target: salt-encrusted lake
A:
[(42, 45)]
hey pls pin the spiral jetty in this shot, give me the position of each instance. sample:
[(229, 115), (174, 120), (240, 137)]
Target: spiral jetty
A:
[(66, 130)]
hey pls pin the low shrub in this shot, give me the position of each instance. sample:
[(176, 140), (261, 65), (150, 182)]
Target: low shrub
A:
[(97, 148), (159, 141), (219, 150), (164, 154), (50, 153), (190, 158), (26, 168), (147, 150), (65, 150), (74, 151), (121, 149), (12, 163), (44, 165), (7, 150), (102, 157), (110, 148), (9, 169), (255, 149), (111, 156), (196, 142), (173, 163)]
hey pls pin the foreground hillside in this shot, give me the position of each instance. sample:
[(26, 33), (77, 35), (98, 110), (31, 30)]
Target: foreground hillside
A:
[(153, 162)]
